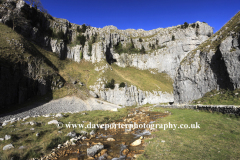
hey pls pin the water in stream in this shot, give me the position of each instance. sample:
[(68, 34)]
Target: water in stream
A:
[(120, 148)]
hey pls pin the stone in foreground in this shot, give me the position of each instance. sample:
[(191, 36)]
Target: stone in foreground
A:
[(94, 149), (7, 147), (53, 122)]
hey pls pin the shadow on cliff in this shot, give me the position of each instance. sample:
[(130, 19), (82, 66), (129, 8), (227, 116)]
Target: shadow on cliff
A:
[(109, 56), (220, 70), (26, 85)]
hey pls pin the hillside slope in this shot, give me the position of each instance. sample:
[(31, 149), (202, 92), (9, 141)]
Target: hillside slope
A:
[(212, 65)]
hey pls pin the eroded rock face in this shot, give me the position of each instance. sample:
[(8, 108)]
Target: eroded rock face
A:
[(164, 52), (205, 71), (131, 95)]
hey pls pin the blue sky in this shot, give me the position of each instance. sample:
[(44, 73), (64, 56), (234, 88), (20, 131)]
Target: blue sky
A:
[(144, 14)]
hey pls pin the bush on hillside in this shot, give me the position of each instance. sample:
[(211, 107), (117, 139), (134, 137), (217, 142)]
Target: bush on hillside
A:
[(122, 85), (81, 39), (110, 84), (185, 25)]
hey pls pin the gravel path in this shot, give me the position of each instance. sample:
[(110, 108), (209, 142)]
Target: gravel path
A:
[(63, 105)]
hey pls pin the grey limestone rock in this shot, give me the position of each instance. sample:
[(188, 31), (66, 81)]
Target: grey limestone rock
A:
[(22, 147), (131, 95), (7, 137), (7, 147), (71, 134), (206, 71), (94, 149)]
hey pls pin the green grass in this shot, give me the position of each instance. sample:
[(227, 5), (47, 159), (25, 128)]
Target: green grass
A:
[(217, 138), (143, 79), (221, 97), (49, 136)]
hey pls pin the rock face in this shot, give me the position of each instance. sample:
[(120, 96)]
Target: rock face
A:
[(131, 95), (209, 69), (166, 47)]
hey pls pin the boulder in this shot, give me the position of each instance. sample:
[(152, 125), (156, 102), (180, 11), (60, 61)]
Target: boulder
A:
[(7, 147), (94, 149), (71, 134), (53, 122), (22, 147), (7, 137), (59, 115)]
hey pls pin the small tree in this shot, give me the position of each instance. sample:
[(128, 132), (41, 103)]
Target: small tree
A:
[(140, 40), (193, 25), (110, 84), (83, 28), (185, 24), (122, 85), (17, 19), (37, 4), (173, 38)]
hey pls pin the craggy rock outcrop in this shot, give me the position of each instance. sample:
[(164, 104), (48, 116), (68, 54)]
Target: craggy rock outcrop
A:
[(166, 54), (208, 69), (165, 47), (130, 95)]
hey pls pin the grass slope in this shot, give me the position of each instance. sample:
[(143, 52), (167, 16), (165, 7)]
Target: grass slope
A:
[(221, 97), (217, 138), (49, 136)]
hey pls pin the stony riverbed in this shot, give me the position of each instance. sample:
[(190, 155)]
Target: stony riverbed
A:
[(116, 144)]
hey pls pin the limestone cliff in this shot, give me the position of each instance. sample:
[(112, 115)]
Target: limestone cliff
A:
[(213, 65), (161, 49), (164, 47), (129, 95)]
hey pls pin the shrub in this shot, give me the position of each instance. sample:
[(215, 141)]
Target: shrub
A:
[(142, 50), (122, 85), (173, 38), (185, 25), (193, 25), (94, 38), (110, 84), (60, 35), (119, 48), (81, 40), (153, 46), (81, 55), (90, 48), (140, 40), (82, 29), (197, 25)]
